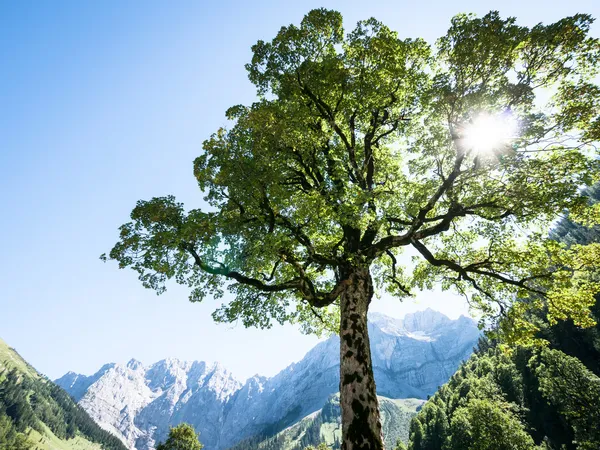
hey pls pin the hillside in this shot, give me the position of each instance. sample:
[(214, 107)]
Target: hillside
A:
[(37, 414), (412, 357), (325, 426), (528, 398)]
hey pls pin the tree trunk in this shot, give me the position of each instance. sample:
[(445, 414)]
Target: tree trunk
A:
[(361, 425)]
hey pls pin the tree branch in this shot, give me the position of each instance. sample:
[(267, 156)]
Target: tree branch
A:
[(326, 113), (465, 271), (240, 278)]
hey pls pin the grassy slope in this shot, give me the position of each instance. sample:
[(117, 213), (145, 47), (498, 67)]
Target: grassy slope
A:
[(396, 416), (9, 359), (48, 441), (407, 404)]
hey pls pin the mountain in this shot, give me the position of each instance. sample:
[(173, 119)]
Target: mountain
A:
[(37, 414), (78, 384), (134, 401), (411, 357)]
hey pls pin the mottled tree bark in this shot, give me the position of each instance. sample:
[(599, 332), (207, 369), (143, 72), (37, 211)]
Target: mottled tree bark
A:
[(361, 425)]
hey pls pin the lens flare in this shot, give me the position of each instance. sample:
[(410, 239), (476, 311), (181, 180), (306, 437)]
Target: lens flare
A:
[(489, 132)]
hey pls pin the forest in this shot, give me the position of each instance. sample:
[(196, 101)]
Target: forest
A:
[(32, 402), (517, 397)]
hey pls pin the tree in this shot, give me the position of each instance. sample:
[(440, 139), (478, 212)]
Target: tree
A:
[(486, 425), (181, 437), (363, 145), (567, 384), (416, 434), (10, 438), (400, 445)]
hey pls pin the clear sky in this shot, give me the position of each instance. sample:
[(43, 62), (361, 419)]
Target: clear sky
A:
[(107, 102)]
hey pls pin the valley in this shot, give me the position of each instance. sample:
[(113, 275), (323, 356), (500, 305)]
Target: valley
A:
[(412, 357)]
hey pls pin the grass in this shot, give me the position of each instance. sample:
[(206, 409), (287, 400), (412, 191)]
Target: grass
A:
[(329, 432), (9, 358), (407, 404), (48, 441)]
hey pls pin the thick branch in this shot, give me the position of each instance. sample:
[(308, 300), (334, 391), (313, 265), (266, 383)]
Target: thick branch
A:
[(301, 284), (442, 189), (307, 288), (471, 269), (327, 113), (240, 278)]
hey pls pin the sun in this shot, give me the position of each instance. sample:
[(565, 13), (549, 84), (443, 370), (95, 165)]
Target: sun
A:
[(488, 132)]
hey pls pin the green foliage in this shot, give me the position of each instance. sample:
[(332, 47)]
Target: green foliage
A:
[(486, 425), (27, 401), (14, 402), (181, 437), (497, 401), (358, 148), (321, 446), (530, 317), (400, 446), (571, 232), (574, 390), (10, 438), (549, 397)]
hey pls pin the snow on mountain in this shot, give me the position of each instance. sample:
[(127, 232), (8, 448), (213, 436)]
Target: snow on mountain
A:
[(411, 358)]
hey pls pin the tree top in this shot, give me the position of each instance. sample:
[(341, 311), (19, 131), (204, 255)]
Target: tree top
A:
[(360, 147)]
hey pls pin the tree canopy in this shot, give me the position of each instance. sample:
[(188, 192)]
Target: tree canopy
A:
[(358, 148), (364, 149), (528, 398)]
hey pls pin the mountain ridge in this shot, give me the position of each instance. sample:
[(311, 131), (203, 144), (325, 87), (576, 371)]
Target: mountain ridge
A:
[(411, 357)]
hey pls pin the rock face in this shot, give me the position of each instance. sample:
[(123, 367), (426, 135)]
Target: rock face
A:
[(138, 403), (77, 385), (411, 358)]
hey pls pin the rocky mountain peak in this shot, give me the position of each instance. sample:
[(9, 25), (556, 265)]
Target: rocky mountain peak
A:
[(134, 364), (420, 323), (425, 321), (78, 384), (386, 324), (411, 358)]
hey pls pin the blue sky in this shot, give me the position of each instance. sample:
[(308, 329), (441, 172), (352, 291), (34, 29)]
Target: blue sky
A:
[(107, 102)]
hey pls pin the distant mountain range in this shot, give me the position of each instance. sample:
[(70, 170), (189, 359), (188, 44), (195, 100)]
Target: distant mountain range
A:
[(411, 358)]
